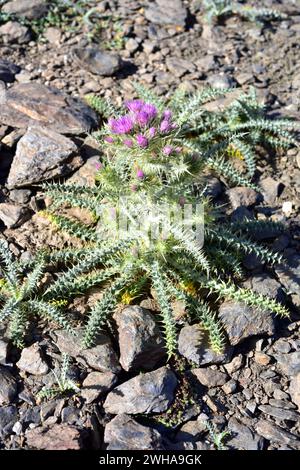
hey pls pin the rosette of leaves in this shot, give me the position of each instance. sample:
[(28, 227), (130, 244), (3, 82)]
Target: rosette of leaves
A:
[(147, 163)]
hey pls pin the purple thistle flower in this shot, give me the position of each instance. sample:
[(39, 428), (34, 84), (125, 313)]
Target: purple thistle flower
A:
[(165, 126), (167, 114), (140, 174), (178, 149), (134, 105), (152, 131), (150, 109), (142, 141), (109, 139), (122, 125), (167, 150), (142, 118), (128, 143)]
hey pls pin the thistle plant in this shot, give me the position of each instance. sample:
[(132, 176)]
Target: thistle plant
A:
[(18, 296), (218, 9), (62, 385), (150, 175)]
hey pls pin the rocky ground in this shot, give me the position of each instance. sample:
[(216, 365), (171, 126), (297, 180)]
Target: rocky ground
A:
[(252, 390)]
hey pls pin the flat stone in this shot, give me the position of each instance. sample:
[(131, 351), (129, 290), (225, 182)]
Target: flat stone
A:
[(178, 66), (191, 431), (42, 154), (8, 70), (13, 32), (294, 390), (279, 413), (263, 284), (13, 215), (3, 351), (31, 104), (97, 384), (270, 189), (289, 364), (166, 12), (8, 418), (241, 321), (32, 361), (276, 434), (96, 61), (151, 392), (141, 343), (31, 9), (220, 81), (101, 357), (209, 377), (241, 437), (124, 433), (56, 437), (241, 196), (8, 386), (289, 275), (193, 343)]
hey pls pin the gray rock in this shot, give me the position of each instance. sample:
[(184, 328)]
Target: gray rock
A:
[(8, 418), (140, 340), (294, 389), (31, 104), (124, 433), (276, 434), (132, 45), (194, 345), (178, 66), (289, 276), (279, 413), (8, 70), (8, 386), (209, 377), (97, 384), (101, 357), (31, 9), (242, 438), (13, 215), (96, 61), (166, 12), (241, 196), (20, 196), (191, 431), (270, 189), (220, 81), (3, 351), (13, 32), (57, 437), (230, 387), (147, 393), (241, 321), (264, 284), (42, 154), (53, 35), (32, 361), (289, 364)]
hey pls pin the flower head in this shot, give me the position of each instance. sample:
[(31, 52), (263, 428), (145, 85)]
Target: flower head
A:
[(140, 174), (122, 125), (109, 139), (128, 142), (167, 114), (142, 141), (152, 131), (150, 109), (165, 126), (167, 150), (134, 105)]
